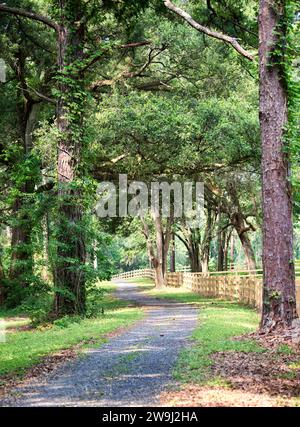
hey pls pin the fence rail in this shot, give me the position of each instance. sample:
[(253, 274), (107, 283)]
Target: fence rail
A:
[(241, 286), (146, 272)]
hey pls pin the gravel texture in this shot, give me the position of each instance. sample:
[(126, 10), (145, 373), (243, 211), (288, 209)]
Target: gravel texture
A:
[(132, 369)]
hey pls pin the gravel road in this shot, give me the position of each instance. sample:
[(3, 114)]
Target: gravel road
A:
[(132, 369)]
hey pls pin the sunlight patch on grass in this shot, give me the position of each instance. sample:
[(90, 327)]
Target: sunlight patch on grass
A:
[(141, 281)]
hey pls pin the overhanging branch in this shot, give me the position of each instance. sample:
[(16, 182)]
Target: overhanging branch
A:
[(31, 15), (211, 33)]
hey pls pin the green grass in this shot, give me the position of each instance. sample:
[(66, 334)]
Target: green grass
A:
[(24, 349), (285, 349), (219, 322), (142, 281), (218, 325)]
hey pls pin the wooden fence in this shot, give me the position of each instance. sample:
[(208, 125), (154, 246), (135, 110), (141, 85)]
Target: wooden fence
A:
[(241, 286), (146, 272)]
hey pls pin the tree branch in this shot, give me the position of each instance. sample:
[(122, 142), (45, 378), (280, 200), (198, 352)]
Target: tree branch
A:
[(153, 53), (135, 44), (123, 46), (215, 34), (31, 15)]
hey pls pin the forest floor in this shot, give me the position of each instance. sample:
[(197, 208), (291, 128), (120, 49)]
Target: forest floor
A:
[(186, 351)]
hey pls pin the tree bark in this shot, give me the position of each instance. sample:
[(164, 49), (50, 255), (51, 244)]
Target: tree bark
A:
[(232, 251), (159, 256), (227, 237), (192, 241), (279, 298), (21, 261), (154, 258), (242, 226), (242, 231), (206, 242), (221, 242), (173, 255), (70, 294), (159, 266)]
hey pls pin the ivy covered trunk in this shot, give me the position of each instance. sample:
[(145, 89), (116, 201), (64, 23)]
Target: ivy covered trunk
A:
[(71, 253), (21, 261), (279, 300)]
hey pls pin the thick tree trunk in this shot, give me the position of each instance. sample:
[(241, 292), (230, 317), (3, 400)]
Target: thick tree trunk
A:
[(159, 277), (159, 257), (192, 241), (242, 231), (71, 253), (242, 227), (248, 251), (279, 300), (155, 261), (193, 246), (195, 263), (21, 261)]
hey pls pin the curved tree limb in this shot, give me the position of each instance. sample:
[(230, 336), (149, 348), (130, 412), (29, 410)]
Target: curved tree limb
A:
[(211, 33), (31, 15)]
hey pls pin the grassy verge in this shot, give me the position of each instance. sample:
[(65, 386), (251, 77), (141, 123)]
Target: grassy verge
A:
[(24, 349), (141, 281), (219, 322)]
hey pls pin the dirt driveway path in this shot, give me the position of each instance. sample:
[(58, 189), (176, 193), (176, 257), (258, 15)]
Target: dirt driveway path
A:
[(132, 369)]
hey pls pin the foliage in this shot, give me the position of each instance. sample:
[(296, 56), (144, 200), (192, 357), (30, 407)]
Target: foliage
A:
[(183, 107)]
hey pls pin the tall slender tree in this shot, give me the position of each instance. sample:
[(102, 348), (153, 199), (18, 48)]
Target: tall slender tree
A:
[(279, 298)]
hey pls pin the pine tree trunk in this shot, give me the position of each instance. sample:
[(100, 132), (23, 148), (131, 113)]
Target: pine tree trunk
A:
[(71, 253), (279, 300)]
